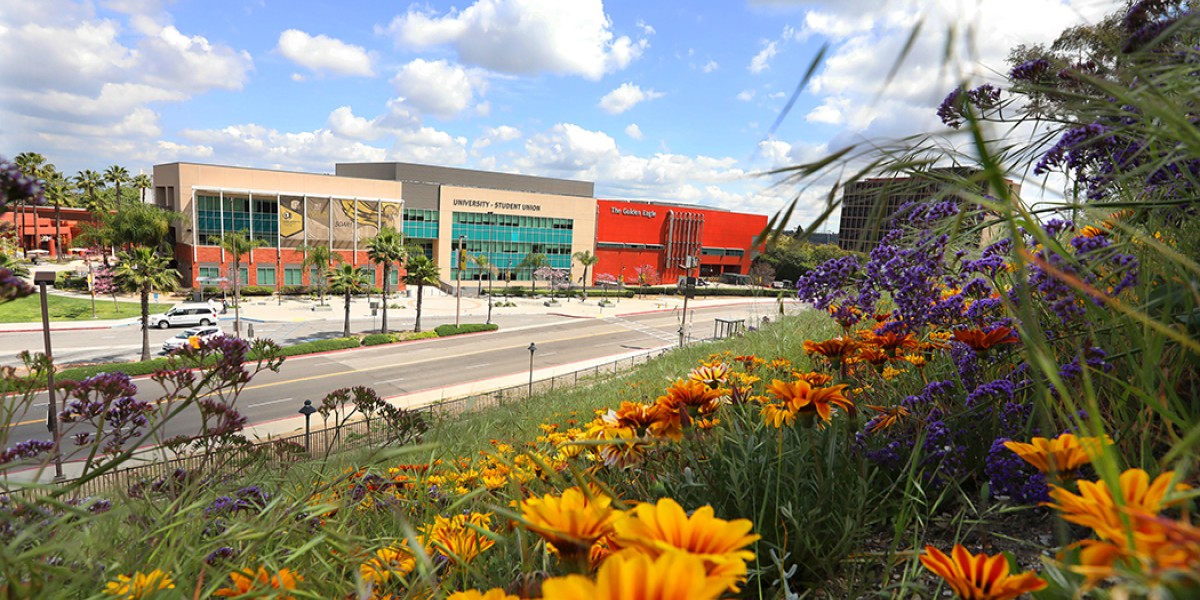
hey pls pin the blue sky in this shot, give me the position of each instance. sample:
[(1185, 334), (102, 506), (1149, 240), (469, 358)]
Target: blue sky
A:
[(666, 100)]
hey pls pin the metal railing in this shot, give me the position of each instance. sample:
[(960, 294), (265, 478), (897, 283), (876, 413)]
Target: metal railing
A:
[(359, 433)]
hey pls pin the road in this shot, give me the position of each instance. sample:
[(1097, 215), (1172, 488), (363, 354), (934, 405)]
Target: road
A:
[(427, 364)]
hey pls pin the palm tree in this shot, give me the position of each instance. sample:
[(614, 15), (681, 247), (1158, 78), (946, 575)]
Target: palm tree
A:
[(420, 271), (88, 182), (116, 175), (587, 259), (481, 263), (533, 261), (387, 249), (30, 163), (57, 191), (237, 244), (349, 280), (321, 257), (143, 182), (143, 271)]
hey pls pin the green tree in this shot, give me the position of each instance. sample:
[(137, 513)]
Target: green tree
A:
[(143, 182), (30, 163), (88, 181), (349, 280), (142, 270), (420, 271), (134, 224), (387, 249), (482, 264), (117, 175), (533, 261), (791, 258), (237, 244), (58, 192), (321, 257), (586, 259)]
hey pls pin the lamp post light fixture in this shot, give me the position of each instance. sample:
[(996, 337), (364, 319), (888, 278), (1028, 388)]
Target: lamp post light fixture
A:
[(42, 279), (307, 410), (532, 349), (689, 289), (462, 264), (491, 260)]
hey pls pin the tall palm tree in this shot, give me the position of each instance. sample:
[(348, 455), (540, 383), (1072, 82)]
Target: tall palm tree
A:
[(586, 259), (143, 271), (58, 190), (321, 257), (533, 261), (30, 163), (420, 271), (117, 175), (481, 263), (237, 244), (349, 280), (88, 182), (142, 182), (387, 249)]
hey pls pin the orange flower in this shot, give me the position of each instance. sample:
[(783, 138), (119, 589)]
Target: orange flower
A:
[(982, 342), (820, 401), (892, 342), (571, 523), (460, 538), (979, 576), (1090, 232), (1064, 454), (834, 349), (800, 398), (886, 418), (672, 576), (687, 394), (874, 356), (1095, 507), (252, 584), (492, 594), (393, 561), (813, 378), (710, 374)]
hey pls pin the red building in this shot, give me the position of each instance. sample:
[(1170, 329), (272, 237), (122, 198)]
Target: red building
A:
[(631, 234), (48, 228)]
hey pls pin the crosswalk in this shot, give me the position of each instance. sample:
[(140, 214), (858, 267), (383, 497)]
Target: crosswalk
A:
[(645, 329)]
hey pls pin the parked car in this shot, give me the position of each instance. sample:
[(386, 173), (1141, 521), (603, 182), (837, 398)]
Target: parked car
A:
[(203, 334), (782, 284), (694, 281), (188, 313)]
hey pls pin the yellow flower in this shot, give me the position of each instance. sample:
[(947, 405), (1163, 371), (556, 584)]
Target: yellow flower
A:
[(388, 562), (1161, 548), (251, 584), (688, 394), (1064, 454), (664, 528), (710, 374), (890, 373), (1095, 507), (492, 594), (139, 585), (979, 576), (460, 538), (570, 523), (671, 576)]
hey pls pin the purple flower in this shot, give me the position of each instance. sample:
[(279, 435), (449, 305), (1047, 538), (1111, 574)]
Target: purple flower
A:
[(1030, 70), (1010, 476), (26, 450), (220, 554)]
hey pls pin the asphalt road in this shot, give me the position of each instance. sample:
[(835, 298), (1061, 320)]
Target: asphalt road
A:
[(424, 365)]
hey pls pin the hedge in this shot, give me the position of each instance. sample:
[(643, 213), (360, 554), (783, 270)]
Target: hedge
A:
[(376, 339), (449, 330), (320, 346)]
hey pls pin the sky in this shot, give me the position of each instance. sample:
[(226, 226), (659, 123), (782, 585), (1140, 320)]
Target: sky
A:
[(665, 100)]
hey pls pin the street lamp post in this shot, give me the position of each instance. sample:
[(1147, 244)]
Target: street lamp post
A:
[(689, 288), (491, 259), (532, 349), (462, 263), (307, 410), (43, 278)]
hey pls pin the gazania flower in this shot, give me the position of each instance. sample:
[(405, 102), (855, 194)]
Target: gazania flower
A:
[(1095, 507), (979, 576), (664, 528), (822, 399), (389, 562), (741, 386), (1063, 454), (1161, 548), (689, 394), (460, 538), (750, 362), (874, 356), (671, 576), (710, 374), (887, 417), (247, 581), (892, 342), (980, 341), (492, 594), (813, 378), (780, 363), (139, 585), (571, 523), (835, 349), (1090, 232)]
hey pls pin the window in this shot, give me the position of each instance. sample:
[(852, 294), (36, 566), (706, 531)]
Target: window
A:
[(243, 276), (394, 277), (266, 276), (293, 276), (210, 272), (314, 276)]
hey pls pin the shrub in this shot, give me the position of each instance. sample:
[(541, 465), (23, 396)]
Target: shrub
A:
[(375, 339), (257, 290), (296, 290), (320, 346), (449, 330)]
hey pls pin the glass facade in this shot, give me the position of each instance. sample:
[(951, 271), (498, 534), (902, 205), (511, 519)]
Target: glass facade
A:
[(507, 239), (420, 223), (233, 213)]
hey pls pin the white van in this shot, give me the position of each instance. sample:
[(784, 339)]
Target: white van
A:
[(188, 313)]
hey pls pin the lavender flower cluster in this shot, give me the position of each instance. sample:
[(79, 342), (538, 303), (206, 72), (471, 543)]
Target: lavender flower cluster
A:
[(952, 110), (106, 402), (16, 186)]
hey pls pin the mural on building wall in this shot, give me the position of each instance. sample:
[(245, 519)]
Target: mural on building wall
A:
[(392, 215), (291, 221), (316, 225), (366, 218), (343, 224)]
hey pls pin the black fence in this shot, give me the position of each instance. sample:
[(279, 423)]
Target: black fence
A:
[(359, 433)]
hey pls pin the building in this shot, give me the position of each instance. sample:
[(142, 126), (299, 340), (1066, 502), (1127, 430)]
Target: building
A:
[(284, 210), (631, 234), (500, 216), (48, 230), (869, 206)]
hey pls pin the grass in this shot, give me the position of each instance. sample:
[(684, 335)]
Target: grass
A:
[(65, 308)]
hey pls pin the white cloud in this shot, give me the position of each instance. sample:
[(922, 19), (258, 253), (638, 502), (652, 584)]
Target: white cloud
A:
[(437, 87), (626, 97), (710, 66), (321, 53), (746, 95), (633, 131), (345, 123), (761, 61), (174, 60), (493, 135), (524, 36), (646, 29)]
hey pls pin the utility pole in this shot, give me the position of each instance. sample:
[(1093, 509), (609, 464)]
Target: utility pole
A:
[(689, 288), (462, 264)]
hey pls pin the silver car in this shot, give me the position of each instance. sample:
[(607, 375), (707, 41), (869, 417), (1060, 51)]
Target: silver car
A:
[(203, 334)]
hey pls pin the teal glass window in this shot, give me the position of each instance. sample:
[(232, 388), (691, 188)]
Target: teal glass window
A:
[(266, 276), (293, 276)]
